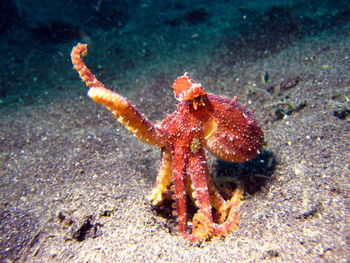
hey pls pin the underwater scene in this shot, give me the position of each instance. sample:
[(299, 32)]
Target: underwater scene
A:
[(174, 131)]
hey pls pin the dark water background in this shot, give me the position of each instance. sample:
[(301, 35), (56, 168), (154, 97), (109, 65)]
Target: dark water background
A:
[(139, 39)]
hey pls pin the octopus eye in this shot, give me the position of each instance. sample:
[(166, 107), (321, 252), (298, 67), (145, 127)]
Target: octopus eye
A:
[(197, 101)]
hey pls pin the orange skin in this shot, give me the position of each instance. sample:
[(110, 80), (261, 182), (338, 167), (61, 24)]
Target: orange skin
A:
[(201, 120)]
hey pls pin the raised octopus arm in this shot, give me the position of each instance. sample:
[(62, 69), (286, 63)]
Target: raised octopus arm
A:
[(118, 105)]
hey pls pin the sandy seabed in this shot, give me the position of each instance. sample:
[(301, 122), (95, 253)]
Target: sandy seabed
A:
[(74, 181)]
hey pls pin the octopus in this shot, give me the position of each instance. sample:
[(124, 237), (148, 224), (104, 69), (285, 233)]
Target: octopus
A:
[(202, 121)]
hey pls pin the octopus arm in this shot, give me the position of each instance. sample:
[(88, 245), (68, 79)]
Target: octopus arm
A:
[(207, 197), (197, 169), (163, 180), (180, 196), (118, 105)]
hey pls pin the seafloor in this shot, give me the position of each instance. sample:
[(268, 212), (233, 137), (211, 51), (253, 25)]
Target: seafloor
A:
[(73, 181)]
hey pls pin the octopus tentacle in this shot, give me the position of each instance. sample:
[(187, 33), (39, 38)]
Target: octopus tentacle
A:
[(163, 179), (231, 209), (180, 177), (119, 106), (197, 169), (206, 197), (217, 202)]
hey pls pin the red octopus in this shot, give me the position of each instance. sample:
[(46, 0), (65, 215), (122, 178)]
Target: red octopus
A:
[(201, 120)]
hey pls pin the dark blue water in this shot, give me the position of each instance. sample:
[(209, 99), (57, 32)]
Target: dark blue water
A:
[(135, 39)]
